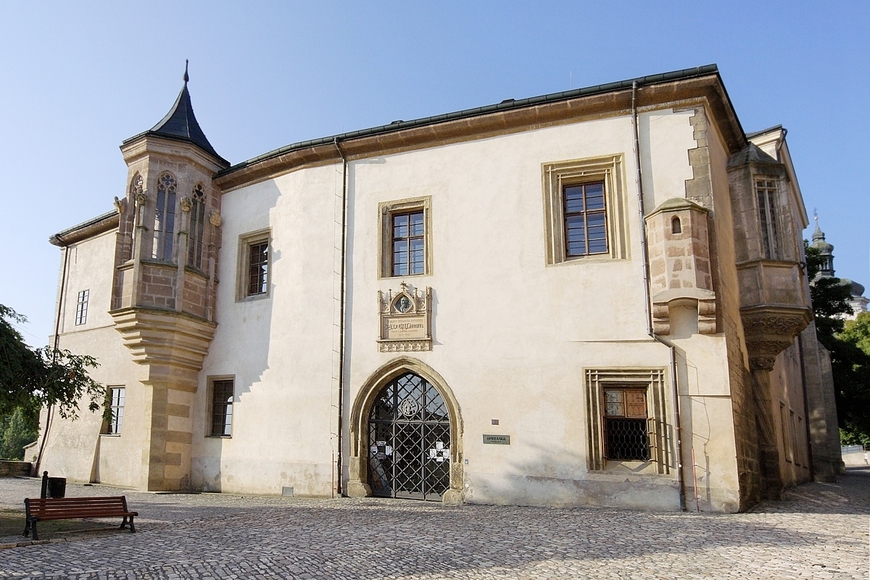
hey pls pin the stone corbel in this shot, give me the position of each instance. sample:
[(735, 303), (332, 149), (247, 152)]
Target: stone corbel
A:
[(705, 301)]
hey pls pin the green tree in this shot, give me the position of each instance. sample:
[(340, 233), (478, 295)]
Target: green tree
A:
[(51, 377), (16, 431), (849, 345)]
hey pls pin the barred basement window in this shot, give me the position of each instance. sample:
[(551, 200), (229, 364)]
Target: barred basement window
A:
[(625, 424), (82, 307), (625, 415)]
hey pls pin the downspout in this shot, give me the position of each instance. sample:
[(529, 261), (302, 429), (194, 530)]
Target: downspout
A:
[(63, 275), (343, 291), (649, 328)]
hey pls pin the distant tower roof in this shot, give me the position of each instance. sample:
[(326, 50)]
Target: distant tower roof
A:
[(180, 123), (826, 250)]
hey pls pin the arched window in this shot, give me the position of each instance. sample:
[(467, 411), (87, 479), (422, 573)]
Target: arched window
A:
[(197, 227), (164, 218), (676, 226)]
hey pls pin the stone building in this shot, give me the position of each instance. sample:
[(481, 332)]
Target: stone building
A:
[(592, 297)]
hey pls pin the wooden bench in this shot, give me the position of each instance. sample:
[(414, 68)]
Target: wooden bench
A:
[(64, 508)]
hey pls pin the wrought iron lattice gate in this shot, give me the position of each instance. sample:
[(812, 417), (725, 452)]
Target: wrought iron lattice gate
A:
[(409, 441)]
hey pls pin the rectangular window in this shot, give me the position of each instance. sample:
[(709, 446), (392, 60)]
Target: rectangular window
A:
[(115, 401), (254, 265), (584, 206), (585, 219), (82, 307), (625, 424), (408, 244), (766, 195), (625, 413), (405, 238), (221, 408)]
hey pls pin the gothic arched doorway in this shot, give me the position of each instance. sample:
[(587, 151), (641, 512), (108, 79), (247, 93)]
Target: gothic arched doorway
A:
[(409, 440)]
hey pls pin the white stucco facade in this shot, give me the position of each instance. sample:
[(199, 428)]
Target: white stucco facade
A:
[(521, 341)]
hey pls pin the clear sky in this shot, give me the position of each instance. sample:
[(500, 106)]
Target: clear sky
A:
[(77, 78)]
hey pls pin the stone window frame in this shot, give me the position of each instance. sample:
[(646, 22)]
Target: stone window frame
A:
[(653, 381), (559, 174), (82, 307), (386, 211), (226, 407), (246, 241), (115, 398)]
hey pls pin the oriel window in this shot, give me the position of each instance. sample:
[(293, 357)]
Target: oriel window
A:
[(164, 218)]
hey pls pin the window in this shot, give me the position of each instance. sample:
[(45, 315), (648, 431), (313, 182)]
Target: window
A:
[(197, 227), (585, 219), (82, 307), (405, 238), (221, 408), (254, 265), (625, 424), (626, 419), (164, 218), (766, 194), (408, 244), (584, 208), (115, 401)]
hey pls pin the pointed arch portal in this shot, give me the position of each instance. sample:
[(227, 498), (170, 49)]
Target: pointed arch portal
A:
[(405, 435)]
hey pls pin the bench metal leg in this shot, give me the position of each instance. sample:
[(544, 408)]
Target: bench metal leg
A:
[(33, 529), (26, 527), (124, 524)]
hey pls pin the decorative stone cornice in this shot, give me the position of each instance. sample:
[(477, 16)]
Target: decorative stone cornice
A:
[(173, 342), (770, 330)]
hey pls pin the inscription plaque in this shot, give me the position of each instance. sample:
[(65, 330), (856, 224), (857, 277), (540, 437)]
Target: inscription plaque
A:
[(496, 439), (405, 319)]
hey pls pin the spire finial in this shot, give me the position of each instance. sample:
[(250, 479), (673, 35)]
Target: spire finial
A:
[(186, 76)]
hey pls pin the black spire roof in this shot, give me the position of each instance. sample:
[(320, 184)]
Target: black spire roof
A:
[(180, 123)]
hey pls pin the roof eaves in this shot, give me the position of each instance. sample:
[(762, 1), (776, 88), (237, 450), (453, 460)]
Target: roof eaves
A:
[(507, 104)]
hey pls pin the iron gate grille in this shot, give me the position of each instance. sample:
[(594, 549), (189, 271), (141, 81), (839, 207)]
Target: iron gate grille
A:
[(409, 441)]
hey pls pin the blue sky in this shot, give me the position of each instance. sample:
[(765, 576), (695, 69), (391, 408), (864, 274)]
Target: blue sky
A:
[(78, 78)]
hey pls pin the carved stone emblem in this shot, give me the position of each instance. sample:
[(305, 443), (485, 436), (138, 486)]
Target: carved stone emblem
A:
[(186, 203), (215, 218), (405, 319)]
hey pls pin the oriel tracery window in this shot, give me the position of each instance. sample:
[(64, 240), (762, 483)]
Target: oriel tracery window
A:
[(766, 194), (197, 228), (164, 218)]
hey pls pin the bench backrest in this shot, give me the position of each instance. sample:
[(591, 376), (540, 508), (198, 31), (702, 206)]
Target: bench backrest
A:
[(75, 506)]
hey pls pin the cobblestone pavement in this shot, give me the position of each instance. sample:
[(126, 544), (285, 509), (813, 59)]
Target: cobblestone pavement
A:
[(818, 531)]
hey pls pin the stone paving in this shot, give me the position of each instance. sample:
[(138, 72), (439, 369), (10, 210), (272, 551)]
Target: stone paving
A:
[(818, 531)]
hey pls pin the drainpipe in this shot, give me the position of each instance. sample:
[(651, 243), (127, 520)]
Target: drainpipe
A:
[(649, 328), (341, 332), (64, 271)]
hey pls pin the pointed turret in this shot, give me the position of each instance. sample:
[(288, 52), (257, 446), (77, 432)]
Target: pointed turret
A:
[(180, 123)]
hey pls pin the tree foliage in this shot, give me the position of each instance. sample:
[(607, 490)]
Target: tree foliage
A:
[(849, 344), (16, 431), (33, 378)]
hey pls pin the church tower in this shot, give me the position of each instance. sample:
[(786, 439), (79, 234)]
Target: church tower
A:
[(164, 281)]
